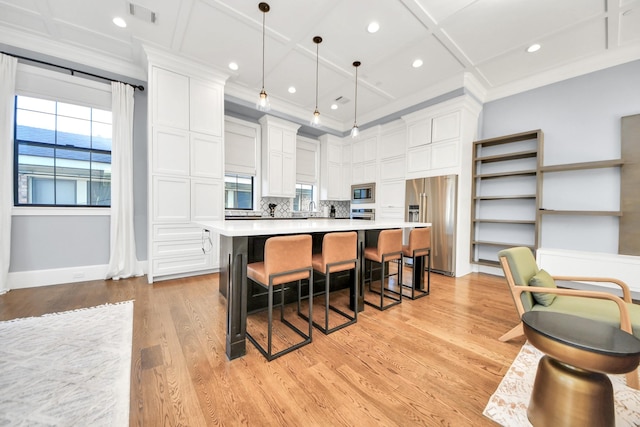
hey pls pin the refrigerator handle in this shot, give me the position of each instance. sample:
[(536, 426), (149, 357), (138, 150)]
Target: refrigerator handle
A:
[(423, 207)]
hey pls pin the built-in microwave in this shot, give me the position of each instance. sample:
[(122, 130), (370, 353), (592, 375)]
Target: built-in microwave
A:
[(363, 193)]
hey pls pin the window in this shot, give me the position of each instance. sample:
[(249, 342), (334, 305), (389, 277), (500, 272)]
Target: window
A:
[(238, 192), (304, 196), (62, 154)]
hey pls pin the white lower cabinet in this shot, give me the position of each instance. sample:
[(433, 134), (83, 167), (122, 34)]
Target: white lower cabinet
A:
[(171, 201)]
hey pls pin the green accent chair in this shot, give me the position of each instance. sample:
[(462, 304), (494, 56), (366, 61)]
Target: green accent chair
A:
[(533, 289)]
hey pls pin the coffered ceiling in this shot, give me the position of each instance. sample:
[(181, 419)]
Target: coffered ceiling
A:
[(480, 42)]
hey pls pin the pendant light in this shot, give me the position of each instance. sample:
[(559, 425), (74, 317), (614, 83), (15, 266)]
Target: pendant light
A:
[(263, 101), (354, 130), (315, 120)]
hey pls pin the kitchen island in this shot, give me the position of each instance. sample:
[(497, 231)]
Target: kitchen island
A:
[(240, 243)]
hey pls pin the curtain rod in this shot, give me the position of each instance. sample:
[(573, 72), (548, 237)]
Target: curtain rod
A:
[(72, 71)]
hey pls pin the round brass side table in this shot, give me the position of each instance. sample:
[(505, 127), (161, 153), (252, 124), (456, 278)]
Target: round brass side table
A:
[(571, 386)]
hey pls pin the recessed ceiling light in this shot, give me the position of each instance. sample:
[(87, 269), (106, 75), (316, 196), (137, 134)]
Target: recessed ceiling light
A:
[(119, 22), (292, 89), (233, 66), (334, 106), (373, 27), (417, 63), (533, 48)]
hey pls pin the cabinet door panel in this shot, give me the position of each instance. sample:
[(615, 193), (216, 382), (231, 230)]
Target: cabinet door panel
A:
[(392, 169), (182, 264), (288, 173), (445, 127), (170, 99), (369, 172), (391, 194), (205, 104), (358, 173), (170, 151), (171, 199), (370, 149), (444, 154), (276, 163), (419, 159), (206, 200), (392, 144), (334, 190), (206, 156), (419, 133)]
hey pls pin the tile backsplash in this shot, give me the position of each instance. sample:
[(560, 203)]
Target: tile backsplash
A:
[(284, 207)]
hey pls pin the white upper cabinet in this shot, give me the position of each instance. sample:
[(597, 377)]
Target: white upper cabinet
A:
[(419, 133), (278, 157), (170, 99), (335, 168), (205, 104), (445, 127), (206, 154)]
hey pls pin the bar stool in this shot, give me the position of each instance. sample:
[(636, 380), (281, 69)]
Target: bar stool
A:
[(286, 259), (389, 248), (339, 253), (419, 247)]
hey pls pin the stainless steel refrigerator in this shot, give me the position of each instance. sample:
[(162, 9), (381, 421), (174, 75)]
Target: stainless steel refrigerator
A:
[(434, 200)]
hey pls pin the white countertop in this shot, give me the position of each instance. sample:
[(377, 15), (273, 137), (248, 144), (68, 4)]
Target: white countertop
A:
[(264, 227)]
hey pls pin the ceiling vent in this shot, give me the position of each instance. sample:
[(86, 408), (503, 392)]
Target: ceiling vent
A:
[(342, 100), (142, 13)]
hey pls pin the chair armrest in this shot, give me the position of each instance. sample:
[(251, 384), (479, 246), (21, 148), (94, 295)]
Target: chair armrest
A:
[(625, 320), (626, 293)]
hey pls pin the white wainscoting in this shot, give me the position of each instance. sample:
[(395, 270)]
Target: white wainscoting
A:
[(560, 262)]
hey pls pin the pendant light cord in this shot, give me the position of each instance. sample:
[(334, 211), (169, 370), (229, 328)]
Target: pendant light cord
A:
[(317, 61), (355, 107), (263, 38)]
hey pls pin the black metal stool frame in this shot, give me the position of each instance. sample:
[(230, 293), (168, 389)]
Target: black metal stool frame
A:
[(397, 300), (421, 292), (350, 319), (267, 353)]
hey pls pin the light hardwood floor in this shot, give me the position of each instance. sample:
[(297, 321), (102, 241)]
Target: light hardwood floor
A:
[(432, 361)]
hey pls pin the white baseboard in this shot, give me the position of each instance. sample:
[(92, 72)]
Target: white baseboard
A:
[(58, 276)]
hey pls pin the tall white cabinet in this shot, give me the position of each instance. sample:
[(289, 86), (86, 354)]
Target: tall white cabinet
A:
[(186, 166)]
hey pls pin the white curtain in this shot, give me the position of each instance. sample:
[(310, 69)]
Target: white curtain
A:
[(8, 66), (122, 255)]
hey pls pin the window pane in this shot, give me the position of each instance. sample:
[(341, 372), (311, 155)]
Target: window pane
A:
[(101, 116), (101, 136), (35, 104), (36, 127), (76, 111), (304, 196), (238, 192), (74, 132)]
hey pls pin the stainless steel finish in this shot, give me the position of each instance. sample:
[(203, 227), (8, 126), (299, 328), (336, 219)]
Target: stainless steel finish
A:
[(363, 214), (358, 189), (434, 200)]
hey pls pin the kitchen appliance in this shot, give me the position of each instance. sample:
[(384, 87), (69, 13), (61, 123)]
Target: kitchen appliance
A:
[(434, 200), (363, 214), (363, 193)]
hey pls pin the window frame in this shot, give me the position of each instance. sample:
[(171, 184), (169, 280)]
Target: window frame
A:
[(253, 190), (20, 142)]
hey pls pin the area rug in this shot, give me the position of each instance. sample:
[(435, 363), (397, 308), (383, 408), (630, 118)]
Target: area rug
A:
[(67, 369), (508, 405)]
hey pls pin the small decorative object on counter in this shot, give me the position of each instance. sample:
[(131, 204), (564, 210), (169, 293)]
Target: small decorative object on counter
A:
[(332, 214), (272, 209)]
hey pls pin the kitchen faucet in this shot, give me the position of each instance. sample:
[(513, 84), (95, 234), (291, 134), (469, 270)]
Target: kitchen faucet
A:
[(312, 206)]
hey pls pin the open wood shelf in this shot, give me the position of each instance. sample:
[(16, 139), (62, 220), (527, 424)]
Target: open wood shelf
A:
[(510, 156), (529, 172), (505, 221), (514, 197), (502, 244), (582, 166), (576, 213)]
